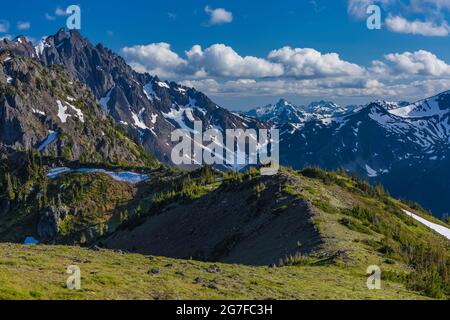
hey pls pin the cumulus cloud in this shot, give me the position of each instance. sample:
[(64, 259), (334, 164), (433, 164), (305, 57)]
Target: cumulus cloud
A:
[(155, 58), (218, 60), (218, 16), (361, 89), (416, 27), (23, 25), (305, 63), (283, 87), (421, 62), (223, 61), (219, 70)]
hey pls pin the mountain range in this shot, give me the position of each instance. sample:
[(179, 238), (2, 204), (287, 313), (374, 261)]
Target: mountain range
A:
[(400, 145), (148, 108), (284, 112), (86, 144)]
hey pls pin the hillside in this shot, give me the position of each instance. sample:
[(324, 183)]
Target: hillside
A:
[(381, 142), (308, 219), (402, 146), (43, 109), (28, 272), (146, 107), (76, 128)]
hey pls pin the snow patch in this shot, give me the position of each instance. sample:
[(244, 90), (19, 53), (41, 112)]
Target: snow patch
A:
[(37, 111), (79, 113), (436, 227), (425, 108), (150, 92), (39, 49), (163, 85), (179, 116), (181, 90), (62, 115), (105, 100), (138, 121)]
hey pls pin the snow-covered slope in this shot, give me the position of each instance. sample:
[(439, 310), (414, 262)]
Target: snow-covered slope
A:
[(431, 107), (147, 107), (385, 142), (436, 227), (285, 112)]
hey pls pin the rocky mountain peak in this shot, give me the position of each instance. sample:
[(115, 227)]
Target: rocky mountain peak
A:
[(45, 110), (144, 105)]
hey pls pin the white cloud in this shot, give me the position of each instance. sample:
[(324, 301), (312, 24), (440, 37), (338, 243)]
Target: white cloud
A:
[(49, 16), (155, 58), (429, 7), (4, 26), (363, 90), (221, 71), (23, 25), (310, 63), (221, 60), (358, 8), (60, 12), (379, 68), (421, 62), (219, 15), (416, 27), (283, 87), (415, 17)]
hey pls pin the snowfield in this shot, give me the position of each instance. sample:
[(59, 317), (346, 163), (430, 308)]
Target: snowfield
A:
[(62, 109), (105, 100), (436, 227)]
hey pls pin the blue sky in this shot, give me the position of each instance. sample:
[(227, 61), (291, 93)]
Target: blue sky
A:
[(248, 53)]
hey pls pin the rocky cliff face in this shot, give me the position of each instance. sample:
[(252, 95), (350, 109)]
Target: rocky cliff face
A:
[(148, 108), (43, 108)]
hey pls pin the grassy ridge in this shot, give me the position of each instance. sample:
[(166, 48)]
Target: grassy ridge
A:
[(359, 225), (39, 272)]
